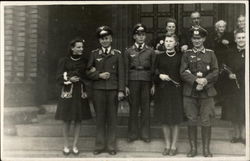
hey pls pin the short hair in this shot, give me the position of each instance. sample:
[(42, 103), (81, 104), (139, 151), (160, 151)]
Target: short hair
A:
[(195, 12), (220, 22), (241, 16), (237, 31), (170, 20), (73, 42), (173, 36)]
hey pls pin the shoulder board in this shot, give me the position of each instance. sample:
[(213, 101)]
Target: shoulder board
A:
[(95, 50), (117, 51), (209, 50)]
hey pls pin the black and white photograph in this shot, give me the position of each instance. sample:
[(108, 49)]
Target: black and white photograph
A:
[(125, 80)]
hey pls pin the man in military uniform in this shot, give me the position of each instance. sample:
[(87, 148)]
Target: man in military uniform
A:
[(139, 66), (186, 42), (106, 68), (199, 71)]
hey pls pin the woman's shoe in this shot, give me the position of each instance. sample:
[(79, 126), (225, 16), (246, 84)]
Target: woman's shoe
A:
[(166, 151), (75, 151), (66, 151), (173, 152)]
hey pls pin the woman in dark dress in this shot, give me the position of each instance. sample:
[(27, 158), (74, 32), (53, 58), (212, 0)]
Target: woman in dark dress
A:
[(73, 104), (220, 42), (168, 93), (234, 91)]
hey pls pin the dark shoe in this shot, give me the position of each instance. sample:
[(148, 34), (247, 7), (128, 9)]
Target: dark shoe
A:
[(75, 151), (192, 137), (98, 151), (66, 151), (173, 152), (165, 151), (146, 140), (112, 152), (235, 140), (206, 137)]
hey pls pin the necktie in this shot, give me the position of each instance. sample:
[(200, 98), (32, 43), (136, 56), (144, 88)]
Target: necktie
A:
[(106, 51), (140, 47)]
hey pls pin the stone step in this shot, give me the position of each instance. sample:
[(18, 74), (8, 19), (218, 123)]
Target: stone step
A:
[(122, 111), (86, 144), (49, 118), (55, 130), (46, 154)]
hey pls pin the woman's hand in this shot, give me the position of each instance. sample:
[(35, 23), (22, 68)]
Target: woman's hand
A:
[(74, 79), (164, 77)]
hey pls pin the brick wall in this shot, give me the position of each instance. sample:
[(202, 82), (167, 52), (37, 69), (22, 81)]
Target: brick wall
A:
[(25, 35)]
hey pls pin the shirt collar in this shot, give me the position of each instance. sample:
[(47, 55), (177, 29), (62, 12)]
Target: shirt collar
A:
[(137, 45), (203, 50), (103, 49)]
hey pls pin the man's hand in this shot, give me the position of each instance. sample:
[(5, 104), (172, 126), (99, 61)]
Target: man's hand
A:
[(199, 87), (152, 91), (164, 77), (127, 92), (74, 79), (232, 76), (84, 95), (120, 96), (201, 81), (93, 69), (104, 75)]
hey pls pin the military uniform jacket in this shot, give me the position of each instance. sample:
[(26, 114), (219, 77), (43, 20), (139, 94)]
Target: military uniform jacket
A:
[(139, 63), (112, 63), (195, 64)]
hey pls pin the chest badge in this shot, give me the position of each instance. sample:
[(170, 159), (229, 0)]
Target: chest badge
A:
[(208, 67), (99, 59), (192, 56), (133, 55)]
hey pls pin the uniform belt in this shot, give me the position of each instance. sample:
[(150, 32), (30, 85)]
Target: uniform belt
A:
[(140, 68)]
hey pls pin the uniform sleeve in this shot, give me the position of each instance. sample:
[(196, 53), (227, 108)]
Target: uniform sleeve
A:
[(153, 58), (121, 75), (60, 71), (126, 67), (91, 63), (213, 75), (185, 73), (156, 78)]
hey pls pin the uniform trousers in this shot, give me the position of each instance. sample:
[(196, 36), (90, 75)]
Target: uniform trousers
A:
[(139, 99), (194, 107), (105, 104)]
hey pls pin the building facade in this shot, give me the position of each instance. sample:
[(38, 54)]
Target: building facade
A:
[(36, 37)]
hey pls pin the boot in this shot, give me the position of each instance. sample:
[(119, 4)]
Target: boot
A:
[(206, 136), (192, 137)]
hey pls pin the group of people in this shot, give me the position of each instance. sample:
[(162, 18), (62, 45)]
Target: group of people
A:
[(180, 71)]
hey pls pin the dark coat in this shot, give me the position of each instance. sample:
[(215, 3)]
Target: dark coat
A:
[(112, 63), (139, 64), (204, 62)]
